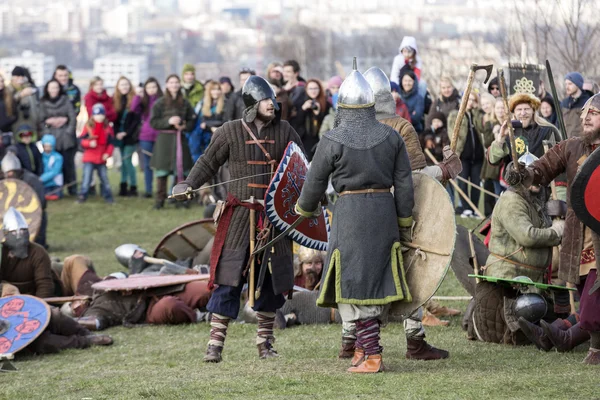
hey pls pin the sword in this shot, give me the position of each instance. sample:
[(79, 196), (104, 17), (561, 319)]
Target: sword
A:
[(281, 235), (559, 116)]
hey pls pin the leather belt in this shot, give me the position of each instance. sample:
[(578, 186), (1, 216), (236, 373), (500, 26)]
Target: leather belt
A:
[(365, 191), (518, 264)]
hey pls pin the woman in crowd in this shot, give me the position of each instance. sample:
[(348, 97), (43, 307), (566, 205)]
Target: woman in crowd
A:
[(333, 86), (126, 128), (58, 119), (315, 109), (547, 110), (142, 106), (409, 92), (401, 108), (171, 115), (210, 117), (97, 94), (490, 174), (470, 149), (448, 100), (226, 87)]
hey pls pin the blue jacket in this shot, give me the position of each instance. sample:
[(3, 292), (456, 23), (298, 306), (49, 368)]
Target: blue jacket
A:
[(416, 106), (53, 162)]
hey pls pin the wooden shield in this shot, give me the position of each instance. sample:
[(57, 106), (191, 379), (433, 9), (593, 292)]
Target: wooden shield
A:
[(281, 197), (143, 282), (186, 241), (16, 193), (585, 192), (26, 317), (435, 234)]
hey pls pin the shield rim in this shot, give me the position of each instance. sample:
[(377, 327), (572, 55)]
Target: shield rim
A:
[(42, 327), (167, 236), (399, 306), (578, 188), (279, 224), (100, 286)]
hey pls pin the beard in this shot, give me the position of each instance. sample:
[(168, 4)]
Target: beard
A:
[(264, 117), (590, 137)]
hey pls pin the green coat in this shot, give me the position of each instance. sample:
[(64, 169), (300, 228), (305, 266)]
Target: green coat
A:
[(165, 149), (489, 171), (520, 234), (194, 94)]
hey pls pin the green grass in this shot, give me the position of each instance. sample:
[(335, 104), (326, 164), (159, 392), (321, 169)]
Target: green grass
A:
[(165, 362)]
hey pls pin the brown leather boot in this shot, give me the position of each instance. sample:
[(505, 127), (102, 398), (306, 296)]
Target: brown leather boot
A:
[(100, 340), (565, 340), (438, 310), (213, 354), (431, 320), (370, 365), (90, 323), (359, 357), (592, 358), (419, 349), (537, 335), (266, 350), (347, 350)]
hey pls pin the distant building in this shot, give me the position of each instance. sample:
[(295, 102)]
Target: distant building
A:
[(41, 66), (112, 66)]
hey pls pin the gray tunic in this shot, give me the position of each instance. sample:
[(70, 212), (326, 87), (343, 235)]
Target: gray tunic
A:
[(364, 257)]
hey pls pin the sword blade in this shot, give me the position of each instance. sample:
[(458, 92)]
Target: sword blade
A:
[(280, 236)]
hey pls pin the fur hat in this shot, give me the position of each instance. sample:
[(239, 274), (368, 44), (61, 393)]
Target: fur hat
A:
[(523, 98)]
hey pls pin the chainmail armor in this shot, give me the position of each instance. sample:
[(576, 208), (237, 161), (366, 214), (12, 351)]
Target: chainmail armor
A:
[(385, 104), (357, 128)]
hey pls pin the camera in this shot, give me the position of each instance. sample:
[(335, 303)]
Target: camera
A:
[(314, 106)]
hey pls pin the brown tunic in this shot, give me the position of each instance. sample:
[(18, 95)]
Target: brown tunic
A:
[(567, 156), (231, 143), (411, 140), (31, 275)]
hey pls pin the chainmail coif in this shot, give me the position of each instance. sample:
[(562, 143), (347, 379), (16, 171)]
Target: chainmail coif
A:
[(358, 128)]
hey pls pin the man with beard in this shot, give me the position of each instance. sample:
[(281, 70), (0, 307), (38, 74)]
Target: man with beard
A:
[(520, 245), (252, 146), (25, 265), (11, 168), (578, 255), (573, 103), (365, 159)]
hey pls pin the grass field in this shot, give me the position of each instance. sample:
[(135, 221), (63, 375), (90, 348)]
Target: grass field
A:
[(166, 362)]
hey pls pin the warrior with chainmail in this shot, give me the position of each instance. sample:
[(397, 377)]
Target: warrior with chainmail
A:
[(521, 242), (450, 167), (579, 260), (252, 146), (364, 272)]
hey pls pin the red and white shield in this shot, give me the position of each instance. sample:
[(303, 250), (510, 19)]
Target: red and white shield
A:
[(283, 193), (585, 192)]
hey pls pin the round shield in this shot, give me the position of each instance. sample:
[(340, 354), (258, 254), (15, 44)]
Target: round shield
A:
[(434, 236), (585, 192), (16, 193), (185, 241), (23, 318), (461, 259)]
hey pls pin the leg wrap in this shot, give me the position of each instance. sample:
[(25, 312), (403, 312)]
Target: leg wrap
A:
[(265, 326), (367, 336), (218, 330), (413, 327), (348, 332)]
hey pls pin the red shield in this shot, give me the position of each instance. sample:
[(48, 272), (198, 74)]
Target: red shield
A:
[(585, 192), (283, 193), (143, 282)]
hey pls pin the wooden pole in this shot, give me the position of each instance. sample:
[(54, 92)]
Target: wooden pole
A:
[(458, 189), (251, 282), (463, 107), (511, 131)]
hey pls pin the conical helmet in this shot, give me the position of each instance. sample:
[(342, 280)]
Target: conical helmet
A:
[(378, 81), (10, 162), (355, 91), (257, 89), (527, 159), (13, 220), (593, 104), (125, 252)]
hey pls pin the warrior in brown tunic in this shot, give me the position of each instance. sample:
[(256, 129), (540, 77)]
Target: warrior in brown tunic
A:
[(252, 147)]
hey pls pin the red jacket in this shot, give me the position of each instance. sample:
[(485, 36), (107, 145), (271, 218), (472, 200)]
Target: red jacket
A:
[(92, 98), (103, 135)]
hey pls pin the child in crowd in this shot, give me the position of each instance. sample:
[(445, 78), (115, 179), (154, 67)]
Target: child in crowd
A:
[(27, 151), (96, 140), (52, 178)]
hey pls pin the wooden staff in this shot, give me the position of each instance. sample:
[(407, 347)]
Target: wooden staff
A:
[(511, 131), (458, 189), (251, 289)]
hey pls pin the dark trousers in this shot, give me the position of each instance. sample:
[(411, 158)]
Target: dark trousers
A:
[(161, 188), (180, 307), (69, 170), (225, 300), (470, 171), (589, 305), (62, 333), (40, 238), (489, 201)]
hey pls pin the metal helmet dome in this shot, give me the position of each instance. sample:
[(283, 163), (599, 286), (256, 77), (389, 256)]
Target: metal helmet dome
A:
[(355, 91), (530, 306), (378, 81), (125, 252), (13, 220)]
